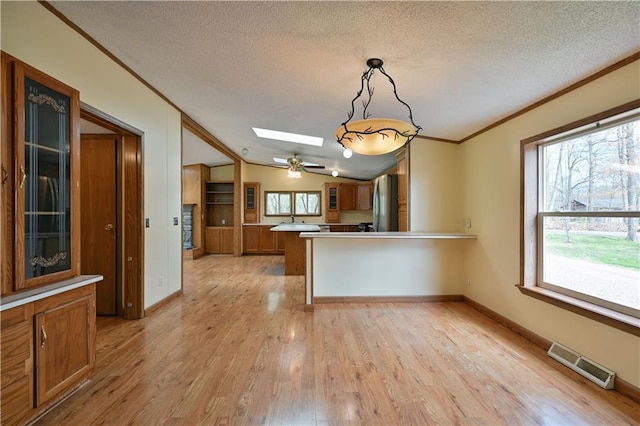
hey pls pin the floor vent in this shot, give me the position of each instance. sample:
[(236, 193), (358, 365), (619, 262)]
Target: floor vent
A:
[(603, 377)]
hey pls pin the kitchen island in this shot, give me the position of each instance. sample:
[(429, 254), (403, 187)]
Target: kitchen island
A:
[(294, 247), (384, 266)]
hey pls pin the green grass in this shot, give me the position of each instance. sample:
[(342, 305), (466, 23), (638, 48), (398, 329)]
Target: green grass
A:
[(609, 250)]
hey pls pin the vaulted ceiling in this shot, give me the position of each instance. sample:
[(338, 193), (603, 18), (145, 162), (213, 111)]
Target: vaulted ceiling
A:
[(295, 66)]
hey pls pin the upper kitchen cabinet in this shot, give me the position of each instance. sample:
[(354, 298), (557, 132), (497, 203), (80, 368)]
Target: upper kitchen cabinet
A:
[(45, 174), (348, 196), (365, 196), (251, 202), (332, 210)]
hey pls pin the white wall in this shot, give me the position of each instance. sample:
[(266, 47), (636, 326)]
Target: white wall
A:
[(275, 179), (436, 186), (492, 200), (37, 37)]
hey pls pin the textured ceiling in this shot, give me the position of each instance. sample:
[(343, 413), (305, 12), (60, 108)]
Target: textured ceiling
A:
[(295, 66)]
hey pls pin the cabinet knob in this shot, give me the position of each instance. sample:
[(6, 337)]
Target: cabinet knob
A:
[(108, 227)]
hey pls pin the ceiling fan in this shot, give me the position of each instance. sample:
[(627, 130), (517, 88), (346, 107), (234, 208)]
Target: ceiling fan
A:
[(296, 165)]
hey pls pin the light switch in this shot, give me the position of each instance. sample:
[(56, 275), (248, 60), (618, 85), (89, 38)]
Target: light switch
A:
[(175, 221), (146, 223)]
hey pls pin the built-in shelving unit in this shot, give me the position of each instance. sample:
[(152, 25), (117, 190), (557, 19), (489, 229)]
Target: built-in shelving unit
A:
[(219, 200)]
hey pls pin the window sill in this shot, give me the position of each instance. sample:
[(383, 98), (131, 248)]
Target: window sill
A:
[(606, 316)]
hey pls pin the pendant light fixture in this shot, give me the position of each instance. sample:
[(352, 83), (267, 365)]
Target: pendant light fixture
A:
[(374, 136)]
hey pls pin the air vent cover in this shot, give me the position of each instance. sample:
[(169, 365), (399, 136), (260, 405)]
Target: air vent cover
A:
[(598, 374)]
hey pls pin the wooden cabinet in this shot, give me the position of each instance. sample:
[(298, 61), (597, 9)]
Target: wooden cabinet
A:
[(220, 199), (259, 239), (403, 195), (219, 240), (40, 178), (331, 206), (364, 196), (348, 194), (251, 202), (58, 333), (64, 342), (16, 362), (251, 239), (344, 228)]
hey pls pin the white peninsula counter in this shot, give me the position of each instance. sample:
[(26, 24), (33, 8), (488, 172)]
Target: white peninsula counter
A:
[(384, 266)]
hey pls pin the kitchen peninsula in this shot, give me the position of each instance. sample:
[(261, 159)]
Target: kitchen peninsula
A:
[(294, 247), (384, 266)]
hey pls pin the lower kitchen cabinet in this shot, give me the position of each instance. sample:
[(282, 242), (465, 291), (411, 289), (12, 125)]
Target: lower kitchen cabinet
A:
[(219, 240), (344, 228), (259, 239), (47, 349)]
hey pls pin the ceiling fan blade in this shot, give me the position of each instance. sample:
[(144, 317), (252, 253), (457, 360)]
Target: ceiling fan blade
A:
[(313, 167)]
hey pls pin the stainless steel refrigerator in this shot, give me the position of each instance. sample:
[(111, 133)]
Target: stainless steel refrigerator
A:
[(385, 203)]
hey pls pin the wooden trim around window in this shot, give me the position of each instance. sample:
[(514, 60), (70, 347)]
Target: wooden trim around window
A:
[(598, 313), (528, 230)]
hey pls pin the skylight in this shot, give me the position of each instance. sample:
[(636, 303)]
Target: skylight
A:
[(287, 137)]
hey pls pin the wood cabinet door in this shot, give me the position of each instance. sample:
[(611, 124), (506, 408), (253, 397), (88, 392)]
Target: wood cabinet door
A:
[(331, 206), (16, 364), (251, 239), (251, 202), (348, 194), (46, 178), (365, 197), (267, 239), (212, 240), (280, 242), (226, 240), (64, 341)]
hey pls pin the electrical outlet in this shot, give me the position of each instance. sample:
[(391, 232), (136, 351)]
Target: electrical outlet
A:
[(161, 282), (467, 223), (467, 282), (146, 223), (175, 221)]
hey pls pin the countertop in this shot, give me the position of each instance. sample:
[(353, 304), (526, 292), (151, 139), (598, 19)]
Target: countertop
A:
[(389, 235), (296, 227), (28, 296), (303, 223)]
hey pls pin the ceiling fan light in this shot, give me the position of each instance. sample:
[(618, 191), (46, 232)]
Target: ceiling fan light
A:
[(347, 153), (334, 173), (294, 174)]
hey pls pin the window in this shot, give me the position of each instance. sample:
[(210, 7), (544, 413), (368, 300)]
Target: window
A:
[(279, 203), (582, 212), (307, 203)]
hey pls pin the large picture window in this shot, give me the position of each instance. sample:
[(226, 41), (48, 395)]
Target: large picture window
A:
[(585, 227)]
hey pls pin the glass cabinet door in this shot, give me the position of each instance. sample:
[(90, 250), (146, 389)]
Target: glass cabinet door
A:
[(45, 172)]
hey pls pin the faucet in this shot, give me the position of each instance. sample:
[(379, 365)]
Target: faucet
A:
[(293, 218)]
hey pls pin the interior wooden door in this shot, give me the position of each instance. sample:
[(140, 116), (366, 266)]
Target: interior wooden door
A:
[(99, 218)]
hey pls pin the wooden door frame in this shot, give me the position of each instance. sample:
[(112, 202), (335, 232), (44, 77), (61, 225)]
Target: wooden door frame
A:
[(189, 124), (130, 206)]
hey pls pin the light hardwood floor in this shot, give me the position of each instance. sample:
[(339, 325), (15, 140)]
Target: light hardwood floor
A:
[(237, 348)]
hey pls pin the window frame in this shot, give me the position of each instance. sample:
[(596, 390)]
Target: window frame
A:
[(531, 217), (292, 200)]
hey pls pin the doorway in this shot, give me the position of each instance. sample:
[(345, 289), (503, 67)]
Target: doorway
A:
[(112, 212)]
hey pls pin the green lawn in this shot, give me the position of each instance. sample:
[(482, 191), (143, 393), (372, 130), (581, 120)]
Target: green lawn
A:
[(602, 249)]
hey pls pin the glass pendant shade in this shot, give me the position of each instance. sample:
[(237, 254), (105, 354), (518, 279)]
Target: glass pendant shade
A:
[(375, 136)]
